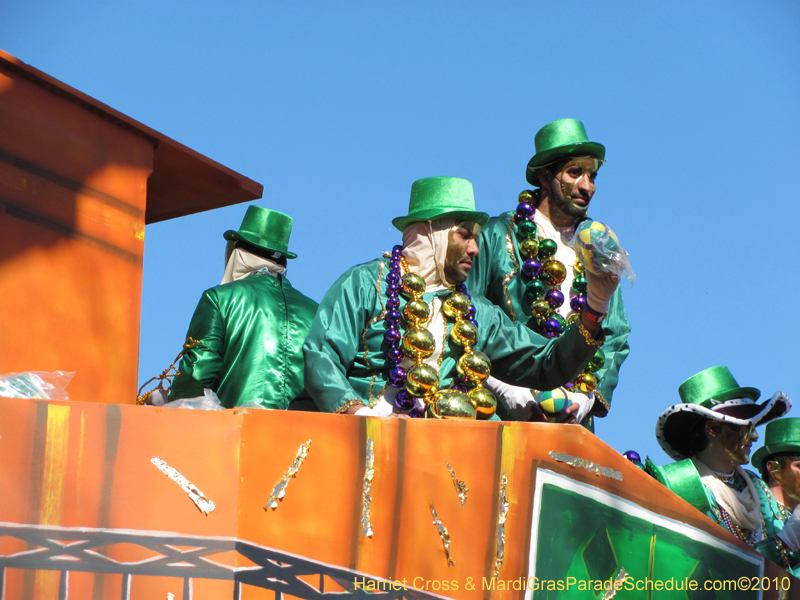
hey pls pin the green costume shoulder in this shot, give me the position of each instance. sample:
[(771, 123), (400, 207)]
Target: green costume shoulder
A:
[(345, 353), (495, 276), (251, 333)]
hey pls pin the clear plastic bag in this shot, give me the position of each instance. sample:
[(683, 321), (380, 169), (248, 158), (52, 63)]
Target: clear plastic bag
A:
[(598, 248), (39, 385), (208, 401)]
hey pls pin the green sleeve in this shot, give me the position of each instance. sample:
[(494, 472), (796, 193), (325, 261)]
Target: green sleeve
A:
[(616, 349), (526, 358), (200, 366), (331, 346)]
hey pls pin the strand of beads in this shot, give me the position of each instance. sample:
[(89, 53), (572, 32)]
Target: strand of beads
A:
[(541, 270), (421, 381), (392, 336), (473, 367)]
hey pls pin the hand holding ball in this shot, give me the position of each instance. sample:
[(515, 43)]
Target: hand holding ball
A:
[(554, 404)]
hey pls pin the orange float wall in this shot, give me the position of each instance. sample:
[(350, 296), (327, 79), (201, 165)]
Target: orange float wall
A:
[(73, 186), (78, 464)]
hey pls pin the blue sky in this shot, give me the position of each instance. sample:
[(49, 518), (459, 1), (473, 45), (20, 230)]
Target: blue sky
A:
[(337, 107)]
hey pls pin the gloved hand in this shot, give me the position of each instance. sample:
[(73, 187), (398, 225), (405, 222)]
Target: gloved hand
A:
[(585, 403), (790, 534), (601, 288), (518, 400)]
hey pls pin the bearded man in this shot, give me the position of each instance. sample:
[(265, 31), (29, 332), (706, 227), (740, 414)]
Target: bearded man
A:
[(527, 269), (400, 336), (710, 434)]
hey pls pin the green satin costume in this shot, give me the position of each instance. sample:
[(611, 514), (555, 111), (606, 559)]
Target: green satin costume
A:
[(682, 478), (251, 333), (494, 263), (345, 352)]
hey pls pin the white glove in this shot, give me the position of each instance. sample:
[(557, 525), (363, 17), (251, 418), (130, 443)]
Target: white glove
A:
[(585, 402), (790, 534), (518, 400), (381, 409), (600, 290)]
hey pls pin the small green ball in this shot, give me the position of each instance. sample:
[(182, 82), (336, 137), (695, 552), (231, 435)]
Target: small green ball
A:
[(533, 291), (579, 284), (526, 229), (547, 249), (598, 362)]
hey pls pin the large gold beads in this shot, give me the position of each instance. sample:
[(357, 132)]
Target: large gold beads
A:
[(586, 382), (413, 284), (541, 308), (422, 380), (484, 402), (464, 333), (553, 272), (452, 404), (457, 303), (416, 310), (418, 343), (529, 248), (525, 196), (475, 366)]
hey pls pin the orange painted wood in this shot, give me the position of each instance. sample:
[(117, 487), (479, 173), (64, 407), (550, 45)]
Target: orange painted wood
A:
[(88, 465)]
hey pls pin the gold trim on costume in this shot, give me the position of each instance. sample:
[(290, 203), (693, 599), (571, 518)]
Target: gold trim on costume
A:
[(509, 276), (343, 408), (588, 336)]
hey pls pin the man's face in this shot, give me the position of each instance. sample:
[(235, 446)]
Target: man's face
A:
[(462, 247), (737, 441), (787, 475), (575, 186)]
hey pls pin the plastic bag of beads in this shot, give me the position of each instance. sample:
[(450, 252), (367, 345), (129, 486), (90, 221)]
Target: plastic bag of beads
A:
[(208, 401), (39, 385), (598, 248)]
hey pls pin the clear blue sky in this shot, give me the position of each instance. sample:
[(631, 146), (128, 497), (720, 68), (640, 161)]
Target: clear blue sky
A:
[(337, 107)]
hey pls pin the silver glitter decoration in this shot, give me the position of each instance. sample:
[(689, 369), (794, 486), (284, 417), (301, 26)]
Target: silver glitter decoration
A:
[(204, 504), (501, 528), (577, 462), (366, 500), (618, 580), (279, 491), (461, 486)]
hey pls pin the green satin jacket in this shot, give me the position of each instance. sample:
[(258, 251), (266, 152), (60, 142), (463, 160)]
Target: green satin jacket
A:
[(345, 352), (494, 263), (251, 333), (683, 479)]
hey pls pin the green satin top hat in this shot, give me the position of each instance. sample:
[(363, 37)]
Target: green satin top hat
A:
[(438, 198), (782, 435), (560, 139), (711, 387), (266, 229)]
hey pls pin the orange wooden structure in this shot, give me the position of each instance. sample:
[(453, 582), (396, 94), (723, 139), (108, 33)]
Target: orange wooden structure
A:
[(86, 465), (78, 183)]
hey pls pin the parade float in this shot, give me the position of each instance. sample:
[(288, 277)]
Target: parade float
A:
[(101, 498)]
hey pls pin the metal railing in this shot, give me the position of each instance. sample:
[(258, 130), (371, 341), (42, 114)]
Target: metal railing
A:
[(74, 549)]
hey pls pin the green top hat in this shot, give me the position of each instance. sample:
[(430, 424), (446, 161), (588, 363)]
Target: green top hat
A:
[(713, 386), (266, 229), (782, 435), (439, 197), (559, 139)]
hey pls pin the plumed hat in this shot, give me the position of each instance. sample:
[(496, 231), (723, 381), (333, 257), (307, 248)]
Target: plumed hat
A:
[(713, 394)]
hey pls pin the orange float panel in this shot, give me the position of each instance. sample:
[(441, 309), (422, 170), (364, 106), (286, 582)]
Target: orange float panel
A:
[(84, 504), (78, 182)]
